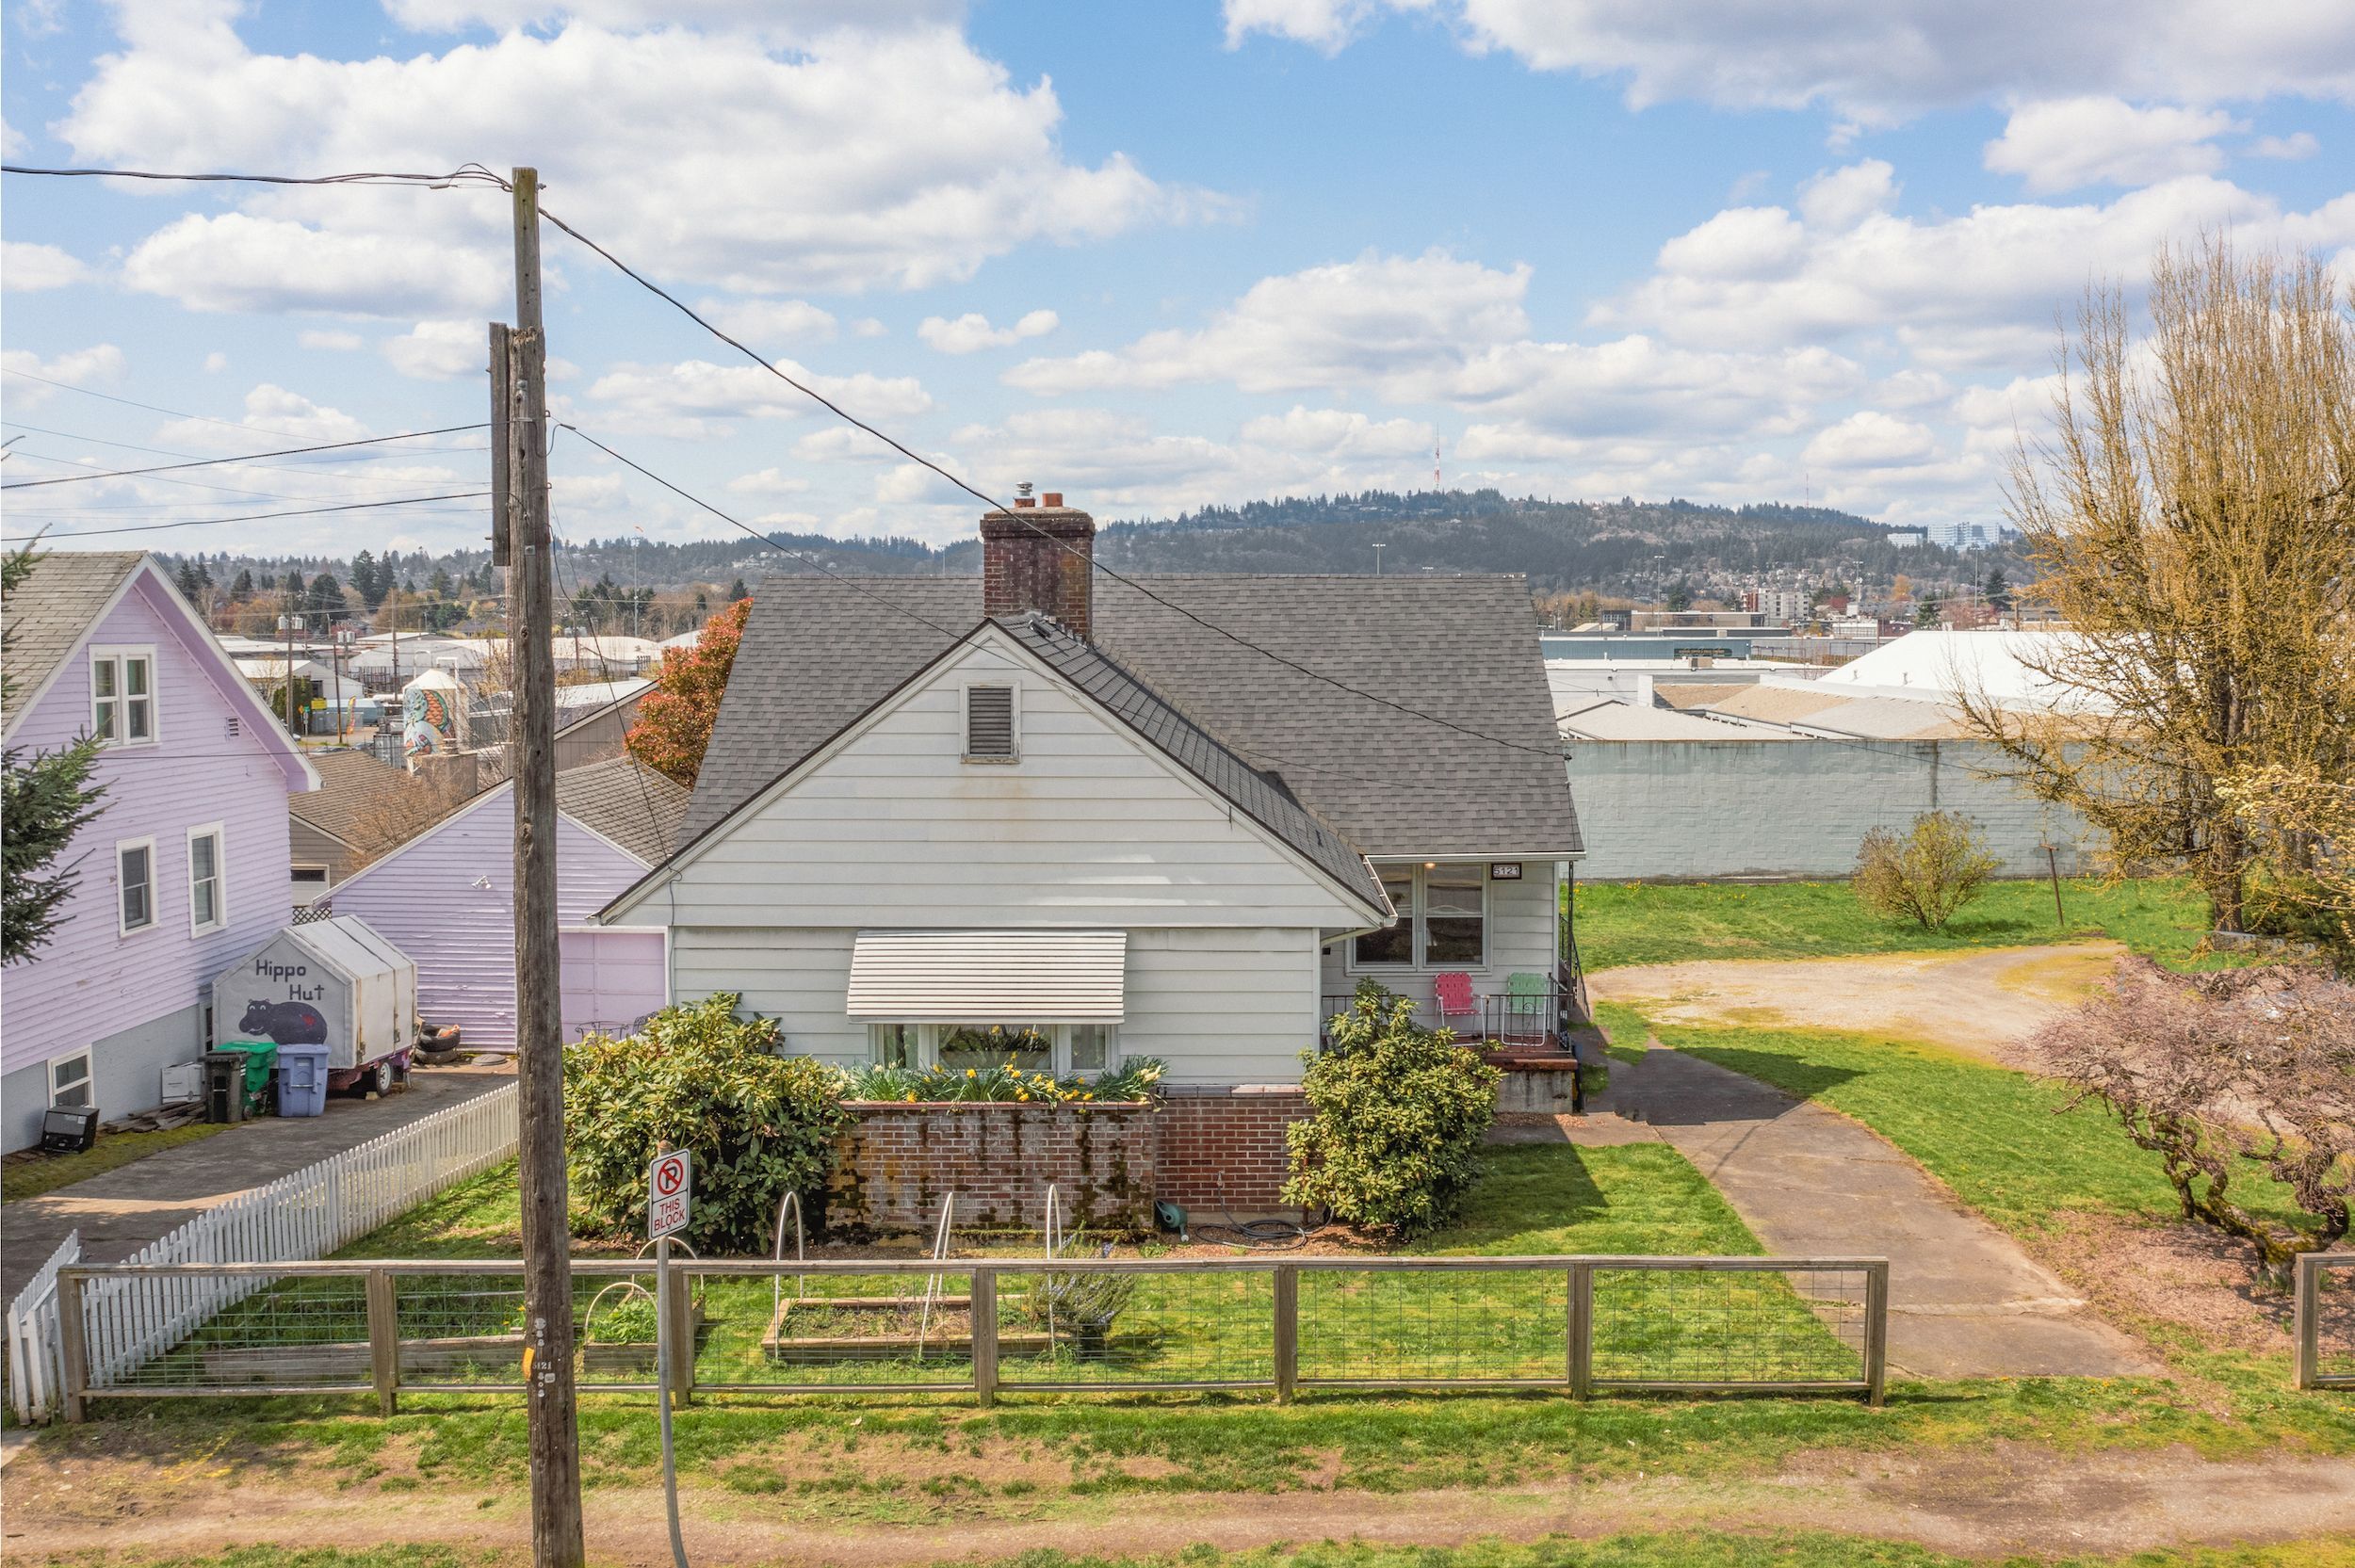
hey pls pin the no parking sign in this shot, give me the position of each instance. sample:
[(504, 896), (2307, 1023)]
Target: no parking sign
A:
[(670, 1190)]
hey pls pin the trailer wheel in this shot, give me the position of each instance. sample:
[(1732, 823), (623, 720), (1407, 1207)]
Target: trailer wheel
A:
[(380, 1079)]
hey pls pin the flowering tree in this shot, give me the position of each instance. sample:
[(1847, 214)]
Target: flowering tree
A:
[(2218, 1073), (674, 719)]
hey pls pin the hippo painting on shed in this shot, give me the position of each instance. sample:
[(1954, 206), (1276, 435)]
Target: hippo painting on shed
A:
[(336, 983)]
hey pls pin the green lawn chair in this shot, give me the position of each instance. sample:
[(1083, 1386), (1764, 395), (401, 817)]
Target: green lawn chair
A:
[(1528, 1010)]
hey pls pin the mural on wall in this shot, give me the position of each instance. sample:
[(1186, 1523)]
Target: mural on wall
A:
[(286, 1023), (428, 721)]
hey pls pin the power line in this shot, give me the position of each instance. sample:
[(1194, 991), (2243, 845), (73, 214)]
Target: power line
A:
[(256, 517), (1553, 751), (466, 173), (251, 457)]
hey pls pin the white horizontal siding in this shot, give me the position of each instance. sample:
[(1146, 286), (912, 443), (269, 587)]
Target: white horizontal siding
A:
[(1220, 1006), (1091, 827)]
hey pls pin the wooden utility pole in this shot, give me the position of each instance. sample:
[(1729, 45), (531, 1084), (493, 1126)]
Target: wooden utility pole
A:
[(555, 1441)]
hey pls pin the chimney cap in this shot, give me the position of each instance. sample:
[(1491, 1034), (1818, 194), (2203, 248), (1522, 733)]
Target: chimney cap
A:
[(1052, 498), (1022, 495)]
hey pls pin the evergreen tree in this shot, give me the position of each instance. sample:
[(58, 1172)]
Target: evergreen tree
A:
[(737, 592), (1925, 613), (327, 596), (45, 799), (191, 587), (1998, 591), (243, 587), (439, 584), (293, 586)]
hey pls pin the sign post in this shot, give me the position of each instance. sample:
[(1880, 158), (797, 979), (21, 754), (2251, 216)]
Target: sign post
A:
[(669, 1197)]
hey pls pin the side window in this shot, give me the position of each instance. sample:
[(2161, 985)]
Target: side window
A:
[(207, 909), (123, 696), (892, 1044), (134, 872), (69, 1081)]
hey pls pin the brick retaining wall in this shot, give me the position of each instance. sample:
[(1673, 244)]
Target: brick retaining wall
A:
[(894, 1163), (1226, 1146)]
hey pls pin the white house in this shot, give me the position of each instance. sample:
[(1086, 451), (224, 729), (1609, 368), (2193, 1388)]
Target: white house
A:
[(1084, 820)]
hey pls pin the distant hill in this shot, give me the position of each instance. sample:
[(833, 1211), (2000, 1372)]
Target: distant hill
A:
[(1638, 549)]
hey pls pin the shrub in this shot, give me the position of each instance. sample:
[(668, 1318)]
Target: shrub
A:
[(759, 1124), (1926, 874), (1400, 1111), (1134, 1081)]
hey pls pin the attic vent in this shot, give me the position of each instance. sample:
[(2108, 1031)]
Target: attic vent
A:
[(989, 723), (236, 726)]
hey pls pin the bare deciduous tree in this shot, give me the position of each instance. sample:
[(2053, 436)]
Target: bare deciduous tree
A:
[(2192, 517), (1926, 874), (2215, 1073)]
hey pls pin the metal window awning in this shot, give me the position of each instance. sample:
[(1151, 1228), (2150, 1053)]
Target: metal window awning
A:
[(963, 976)]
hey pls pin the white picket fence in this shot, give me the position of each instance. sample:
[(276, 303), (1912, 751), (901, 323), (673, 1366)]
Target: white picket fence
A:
[(36, 1371), (306, 1215)]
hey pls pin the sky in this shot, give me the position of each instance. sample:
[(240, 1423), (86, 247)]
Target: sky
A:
[(1152, 256)]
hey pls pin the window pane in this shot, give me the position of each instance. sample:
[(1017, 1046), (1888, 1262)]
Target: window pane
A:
[(78, 1096), (136, 900), (203, 857), (1453, 889), (1394, 942), (1453, 940), (1031, 1048), (1452, 927), (894, 1044), (72, 1070), (1090, 1046), (135, 678), (102, 724), (141, 713), (101, 674)]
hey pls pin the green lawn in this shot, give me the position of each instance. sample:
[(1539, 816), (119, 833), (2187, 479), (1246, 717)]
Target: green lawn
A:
[(1624, 922), (30, 1178)]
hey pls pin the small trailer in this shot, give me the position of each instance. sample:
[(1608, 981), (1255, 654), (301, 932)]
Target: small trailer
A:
[(326, 982)]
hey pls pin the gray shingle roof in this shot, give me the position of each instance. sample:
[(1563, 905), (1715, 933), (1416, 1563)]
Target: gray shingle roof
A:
[(629, 803), (818, 652), (1266, 801), (53, 610)]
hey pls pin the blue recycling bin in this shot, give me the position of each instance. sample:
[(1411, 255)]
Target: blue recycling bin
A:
[(302, 1080)]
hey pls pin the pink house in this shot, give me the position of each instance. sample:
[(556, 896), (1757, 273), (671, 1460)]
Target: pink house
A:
[(187, 866)]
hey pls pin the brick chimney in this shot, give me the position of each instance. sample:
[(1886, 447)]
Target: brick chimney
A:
[(1039, 557)]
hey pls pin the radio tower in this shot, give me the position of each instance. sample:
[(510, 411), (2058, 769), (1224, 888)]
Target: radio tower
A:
[(1434, 465)]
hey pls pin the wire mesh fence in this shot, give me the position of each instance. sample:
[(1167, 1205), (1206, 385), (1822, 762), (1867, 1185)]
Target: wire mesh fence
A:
[(1002, 1323), (2323, 1324)]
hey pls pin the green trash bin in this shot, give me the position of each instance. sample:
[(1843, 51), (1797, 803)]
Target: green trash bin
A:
[(261, 1060)]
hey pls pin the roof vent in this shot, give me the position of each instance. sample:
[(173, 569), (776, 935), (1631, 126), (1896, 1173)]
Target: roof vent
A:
[(989, 723)]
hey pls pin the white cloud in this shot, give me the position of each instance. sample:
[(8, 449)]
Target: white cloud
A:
[(972, 333), (867, 326), (29, 269), (1875, 63), (2070, 142), (765, 18), (857, 160), (240, 262), (1375, 320), (338, 342), (2296, 145), (270, 410), (101, 363), (1871, 440), (216, 361), (1844, 198), (440, 350), (1339, 432), (765, 321), (767, 482), (693, 398), (1979, 287)]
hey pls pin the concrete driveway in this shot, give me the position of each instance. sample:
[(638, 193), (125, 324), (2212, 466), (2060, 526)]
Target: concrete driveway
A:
[(126, 1208), (1964, 1299)]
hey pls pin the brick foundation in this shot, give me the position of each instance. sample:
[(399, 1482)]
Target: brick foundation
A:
[(894, 1163), (1225, 1147)]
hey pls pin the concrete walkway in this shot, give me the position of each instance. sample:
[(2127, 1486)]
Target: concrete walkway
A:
[(123, 1209), (1964, 1299)]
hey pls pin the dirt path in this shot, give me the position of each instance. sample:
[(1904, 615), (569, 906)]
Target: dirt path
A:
[(1984, 1003), (1993, 1500)]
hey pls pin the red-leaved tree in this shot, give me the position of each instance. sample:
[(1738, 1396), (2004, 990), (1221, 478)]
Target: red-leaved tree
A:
[(674, 719)]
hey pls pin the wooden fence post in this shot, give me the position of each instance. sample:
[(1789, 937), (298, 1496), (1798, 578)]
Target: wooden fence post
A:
[(1287, 1331), (985, 1311), (1876, 1331), (1581, 1331), (2313, 1267), (384, 1340), (73, 1345), (682, 1346)]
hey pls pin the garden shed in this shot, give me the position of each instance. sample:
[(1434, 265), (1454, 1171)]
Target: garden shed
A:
[(326, 982)]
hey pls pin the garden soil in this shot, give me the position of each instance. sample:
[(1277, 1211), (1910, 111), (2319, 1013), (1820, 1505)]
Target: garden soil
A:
[(1991, 1500)]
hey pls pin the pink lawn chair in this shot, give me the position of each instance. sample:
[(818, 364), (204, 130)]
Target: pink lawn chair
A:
[(1453, 993)]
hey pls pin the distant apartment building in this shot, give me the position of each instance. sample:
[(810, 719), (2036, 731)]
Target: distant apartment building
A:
[(1970, 535), (1908, 538)]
